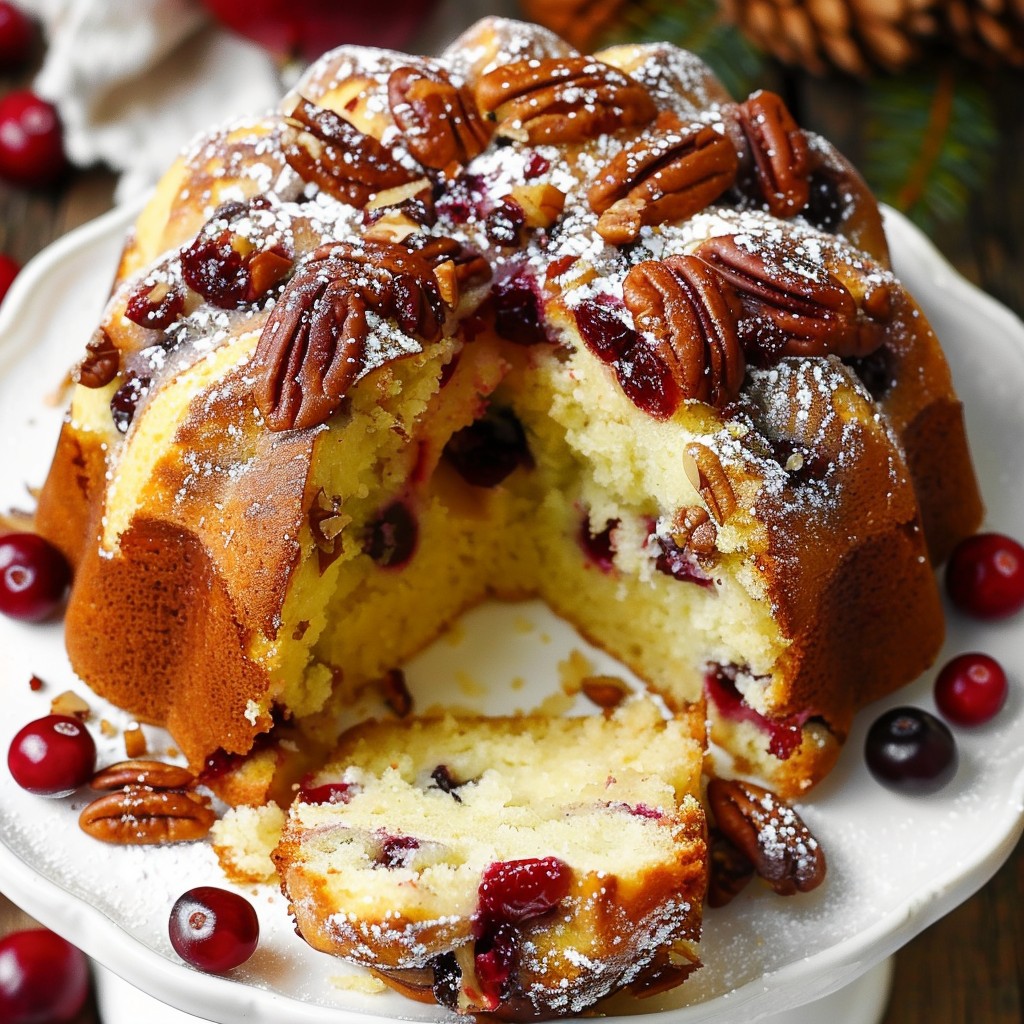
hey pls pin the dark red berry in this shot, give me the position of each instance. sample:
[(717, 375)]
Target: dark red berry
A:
[(680, 563), (52, 756), (391, 537), (517, 311), (536, 165), (126, 400), (34, 577), (329, 793), (43, 978), (155, 306), (213, 929), (446, 782), (505, 224), (17, 36), (31, 140), (599, 547), (603, 331), (9, 270), (495, 962), (395, 851), (971, 689), (447, 980), (516, 890), (985, 576), (910, 750), (489, 449)]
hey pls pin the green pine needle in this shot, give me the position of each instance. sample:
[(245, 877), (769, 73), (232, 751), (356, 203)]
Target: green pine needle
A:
[(930, 142)]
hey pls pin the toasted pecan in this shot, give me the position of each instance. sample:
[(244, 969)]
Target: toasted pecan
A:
[(143, 816), (779, 149)]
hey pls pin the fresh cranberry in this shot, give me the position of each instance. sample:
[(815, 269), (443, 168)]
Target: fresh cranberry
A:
[(9, 270), (17, 36), (52, 756), (34, 577), (328, 793), (910, 750), (391, 537), (489, 449), (43, 979), (971, 689), (395, 851), (985, 576), (599, 547), (31, 140), (517, 890), (213, 929)]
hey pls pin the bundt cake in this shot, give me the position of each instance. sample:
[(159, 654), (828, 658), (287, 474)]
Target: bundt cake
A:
[(510, 321), (524, 867)]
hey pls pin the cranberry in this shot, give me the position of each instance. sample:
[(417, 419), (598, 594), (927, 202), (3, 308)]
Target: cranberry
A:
[(9, 270), (680, 563), (395, 851), (391, 537), (985, 576), (536, 165), (971, 689), (155, 306), (31, 140), (213, 929), (447, 980), (34, 577), (505, 224), (603, 331), (43, 979), (488, 450), (910, 750), (516, 890), (495, 962), (446, 782), (517, 311), (52, 756), (598, 547), (126, 400), (328, 793), (17, 36)]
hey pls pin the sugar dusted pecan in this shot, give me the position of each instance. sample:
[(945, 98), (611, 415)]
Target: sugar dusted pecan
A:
[(562, 99), (322, 147), (153, 774), (442, 127), (312, 348), (142, 816), (469, 267), (780, 153), (704, 470), (793, 306), (667, 175), (769, 833), (691, 312), (101, 362)]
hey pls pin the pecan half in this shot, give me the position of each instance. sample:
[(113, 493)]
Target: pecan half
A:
[(605, 691), (322, 147), (692, 314), (693, 528), (704, 470), (152, 774), (769, 833), (562, 99), (312, 348), (729, 870), (780, 153), (669, 175), (101, 362), (794, 306), (141, 816), (441, 125)]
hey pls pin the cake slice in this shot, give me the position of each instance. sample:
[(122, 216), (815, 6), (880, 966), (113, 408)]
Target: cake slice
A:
[(525, 866)]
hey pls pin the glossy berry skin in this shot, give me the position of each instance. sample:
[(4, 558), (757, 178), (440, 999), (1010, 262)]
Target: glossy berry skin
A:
[(9, 270), (34, 577), (43, 979), (16, 37), (52, 756), (985, 576), (911, 751), (31, 140), (971, 689), (213, 929)]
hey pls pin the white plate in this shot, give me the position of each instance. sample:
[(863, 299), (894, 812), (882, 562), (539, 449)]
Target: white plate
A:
[(896, 864)]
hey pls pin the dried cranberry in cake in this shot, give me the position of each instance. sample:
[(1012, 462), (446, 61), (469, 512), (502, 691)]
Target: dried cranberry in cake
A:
[(517, 310), (447, 980), (505, 224), (34, 577), (536, 165), (971, 689), (495, 962), (603, 330), (155, 306), (391, 537), (52, 756), (599, 547), (328, 793), (876, 371), (125, 401), (395, 851), (681, 563), (464, 200), (784, 734), (985, 576), (446, 782), (489, 449), (517, 890), (910, 750)]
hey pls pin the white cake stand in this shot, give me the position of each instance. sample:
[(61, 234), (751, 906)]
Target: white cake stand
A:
[(896, 864)]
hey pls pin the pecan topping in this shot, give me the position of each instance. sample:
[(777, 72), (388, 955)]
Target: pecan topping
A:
[(469, 267), (440, 122), (322, 147), (692, 314), (153, 774), (312, 348), (794, 306), (693, 528), (705, 472), (769, 833), (142, 816), (670, 175), (780, 151), (101, 362), (562, 99)]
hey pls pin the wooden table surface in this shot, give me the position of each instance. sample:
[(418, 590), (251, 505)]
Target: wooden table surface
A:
[(969, 967)]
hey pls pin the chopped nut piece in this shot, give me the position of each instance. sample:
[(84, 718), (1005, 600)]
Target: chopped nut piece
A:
[(135, 742), (69, 703)]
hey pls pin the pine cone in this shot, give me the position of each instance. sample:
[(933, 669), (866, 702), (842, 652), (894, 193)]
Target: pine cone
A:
[(580, 22), (989, 31)]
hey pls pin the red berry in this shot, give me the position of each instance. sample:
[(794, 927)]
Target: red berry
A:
[(213, 929), (31, 140), (34, 577), (910, 750), (52, 756), (9, 270), (16, 37), (971, 689), (516, 890), (985, 576), (43, 979)]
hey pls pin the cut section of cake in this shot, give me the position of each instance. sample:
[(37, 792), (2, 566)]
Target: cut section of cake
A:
[(523, 867)]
